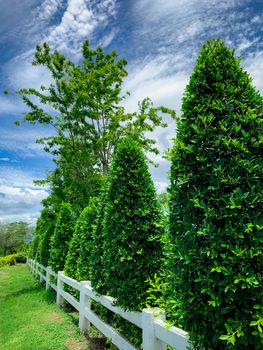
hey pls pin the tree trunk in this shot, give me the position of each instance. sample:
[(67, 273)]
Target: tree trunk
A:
[(105, 168)]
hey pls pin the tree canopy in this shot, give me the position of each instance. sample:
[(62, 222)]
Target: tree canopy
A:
[(83, 105), (12, 236)]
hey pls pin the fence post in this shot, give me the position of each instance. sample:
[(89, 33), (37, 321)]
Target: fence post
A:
[(60, 284), (48, 277), (149, 341), (84, 303)]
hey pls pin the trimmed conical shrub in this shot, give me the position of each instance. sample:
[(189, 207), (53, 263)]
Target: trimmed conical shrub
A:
[(86, 246), (49, 222), (71, 264), (62, 236), (132, 247), (78, 259), (216, 205), (36, 242), (33, 252), (96, 258)]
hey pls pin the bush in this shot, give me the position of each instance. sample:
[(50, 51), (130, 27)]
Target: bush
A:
[(86, 228), (20, 259), (78, 259), (132, 246), (49, 222), (216, 205), (96, 254), (33, 251), (62, 236), (8, 260)]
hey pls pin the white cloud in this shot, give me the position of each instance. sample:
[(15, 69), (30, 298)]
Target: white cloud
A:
[(22, 140), (47, 10), (9, 105), (21, 74), (78, 23), (20, 198), (254, 65), (107, 39), (155, 80)]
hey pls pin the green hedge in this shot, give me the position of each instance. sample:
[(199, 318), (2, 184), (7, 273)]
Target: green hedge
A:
[(62, 236), (49, 222), (216, 205), (86, 238), (96, 255), (132, 232), (78, 259)]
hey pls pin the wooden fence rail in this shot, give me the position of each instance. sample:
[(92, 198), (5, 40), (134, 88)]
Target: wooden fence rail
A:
[(156, 333)]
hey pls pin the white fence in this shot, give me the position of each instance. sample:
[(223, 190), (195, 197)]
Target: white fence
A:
[(156, 333)]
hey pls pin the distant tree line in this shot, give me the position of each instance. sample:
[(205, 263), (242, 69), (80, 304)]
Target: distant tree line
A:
[(196, 251), (12, 237)]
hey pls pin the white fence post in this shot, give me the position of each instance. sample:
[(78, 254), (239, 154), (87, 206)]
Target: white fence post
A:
[(48, 277), (149, 341), (84, 302), (60, 299)]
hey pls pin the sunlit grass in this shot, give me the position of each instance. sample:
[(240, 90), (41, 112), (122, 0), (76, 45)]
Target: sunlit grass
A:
[(29, 318)]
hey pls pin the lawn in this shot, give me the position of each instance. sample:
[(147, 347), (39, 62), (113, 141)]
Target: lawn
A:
[(29, 318)]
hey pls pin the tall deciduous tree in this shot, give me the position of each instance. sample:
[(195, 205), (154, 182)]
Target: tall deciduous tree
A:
[(216, 204), (62, 236), (132, 233), (86, 116)]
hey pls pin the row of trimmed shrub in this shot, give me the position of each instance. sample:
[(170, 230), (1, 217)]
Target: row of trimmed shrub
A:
[(207, 273)]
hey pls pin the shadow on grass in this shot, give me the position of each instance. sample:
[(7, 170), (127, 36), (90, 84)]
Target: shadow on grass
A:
[(49, 296), (26, 290)]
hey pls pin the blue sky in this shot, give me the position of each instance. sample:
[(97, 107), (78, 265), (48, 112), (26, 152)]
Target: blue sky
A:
[(159, 38)]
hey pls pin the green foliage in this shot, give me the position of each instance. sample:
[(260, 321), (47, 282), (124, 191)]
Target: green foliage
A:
[(216, 204), (62, 236), (78, 259), (96, 254), (89, 120), (87, 228), (30, 318), (12, 236), (8, 259), (132, 246), (48, 218), (20, 258), (33, 251)]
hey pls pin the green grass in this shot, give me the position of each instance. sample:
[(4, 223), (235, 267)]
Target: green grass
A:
[(29, 318)]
